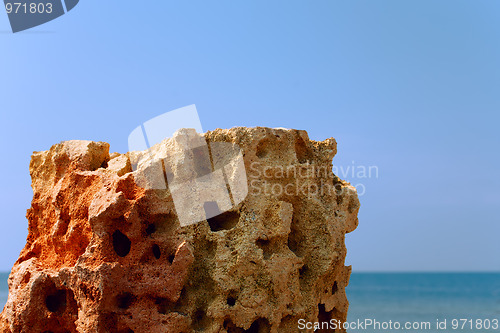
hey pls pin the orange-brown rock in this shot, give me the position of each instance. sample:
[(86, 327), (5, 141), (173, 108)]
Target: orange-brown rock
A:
[(104, 254)]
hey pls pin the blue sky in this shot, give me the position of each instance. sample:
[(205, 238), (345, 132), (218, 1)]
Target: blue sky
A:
[(411, 87)]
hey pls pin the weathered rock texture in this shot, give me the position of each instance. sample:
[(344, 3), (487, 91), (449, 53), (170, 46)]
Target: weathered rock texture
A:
[(104, 255)]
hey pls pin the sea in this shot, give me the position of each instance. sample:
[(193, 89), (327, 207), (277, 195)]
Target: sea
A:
[(4, 288), (427, 302), (413, 302)]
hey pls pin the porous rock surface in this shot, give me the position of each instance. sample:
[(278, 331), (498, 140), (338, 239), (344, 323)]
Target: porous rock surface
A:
[(105, 255)]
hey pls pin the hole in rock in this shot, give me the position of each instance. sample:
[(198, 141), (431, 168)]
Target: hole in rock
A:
[(26, 278), (338, 189), (324, 317), (261, 325), (303, 271), (294, 244), (267, 247), (121, 243), (156, 251), (171, 258), (262, 242), (125, 300), (302, 152), (296, 239), (231, 301), (150, 229), (57, 301), (219, 222), (263, 148), (335, 288)]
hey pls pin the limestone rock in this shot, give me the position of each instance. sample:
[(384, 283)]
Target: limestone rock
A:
[(104, 254)]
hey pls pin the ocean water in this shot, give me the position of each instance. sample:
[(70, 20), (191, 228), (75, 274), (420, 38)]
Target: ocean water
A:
[(425, 297), (412, 298), (4, 288)]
